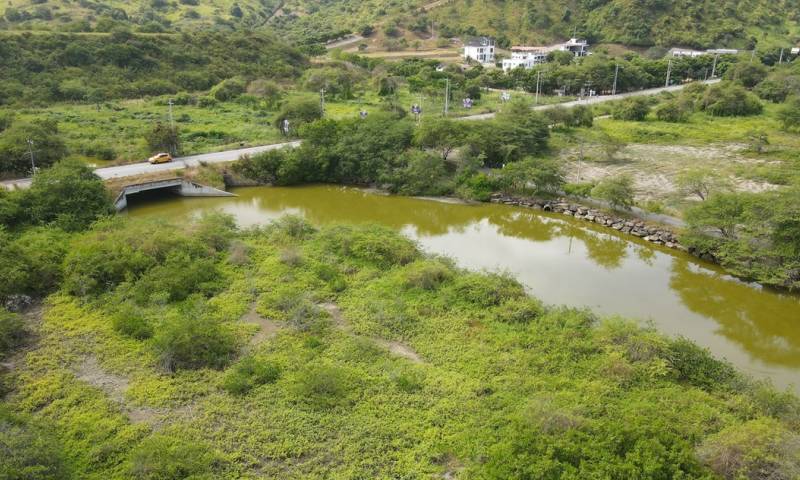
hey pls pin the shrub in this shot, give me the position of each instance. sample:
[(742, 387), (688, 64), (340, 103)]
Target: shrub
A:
[(633, 109), (14, 150), (375, 244), (758, 449), (323, 386), (163, 138), (178, 277), (789, 114), (488, 289), (298, 112), (12, 331), (697, 366), (673, 111), (131, 322), (228, 89), (579, 189), (29, 451), (427, 275), (294, 226), (249, 373), (160, 457), (519, 310), (194, 340), (728, 100)]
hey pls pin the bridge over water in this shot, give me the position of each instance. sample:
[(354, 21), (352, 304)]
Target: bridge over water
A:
[(178, 186)]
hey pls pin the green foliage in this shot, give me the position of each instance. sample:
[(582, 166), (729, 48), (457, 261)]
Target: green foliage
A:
[(371, 243), (322, 386), (696, 366), (68, 196), (700, 182), (47, 146), (542, 176), (420, 173), (760, 448), (131, 321), (442, 135), (728, 100), (249, 373), (487, 290), (428, 275), (193, 339), (519, 311), (789, 114), (617, 191), (162, 457), (516, 133), (579, 189), (298, 112), (676, 110), (228, 89), (747, 74), (633, 109), (12, 331), (163, 138), (29, 450), (125, 65)]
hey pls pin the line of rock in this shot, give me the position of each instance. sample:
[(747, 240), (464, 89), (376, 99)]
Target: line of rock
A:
[(657, 235)]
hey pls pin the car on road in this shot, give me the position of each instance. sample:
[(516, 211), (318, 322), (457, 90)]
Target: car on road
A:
[(160, 158)]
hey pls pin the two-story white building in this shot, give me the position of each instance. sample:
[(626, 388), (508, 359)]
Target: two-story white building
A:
[(479, 49), (528, 57), (525, 57)]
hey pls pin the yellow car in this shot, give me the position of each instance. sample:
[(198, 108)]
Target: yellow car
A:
[(160, 158)]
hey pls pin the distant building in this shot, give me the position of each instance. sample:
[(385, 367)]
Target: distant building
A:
[(480, 49), (685, 52), (528, 57), (796, 51)]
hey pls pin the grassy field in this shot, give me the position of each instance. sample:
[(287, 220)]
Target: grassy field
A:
[(122, 125), (355, 356)]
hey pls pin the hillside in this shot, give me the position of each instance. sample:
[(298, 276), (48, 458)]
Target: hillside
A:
[(695, 23), (698, 23)]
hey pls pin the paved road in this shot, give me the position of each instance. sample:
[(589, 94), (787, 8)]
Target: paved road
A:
[(597, 99), (179, 163), (233, 155)]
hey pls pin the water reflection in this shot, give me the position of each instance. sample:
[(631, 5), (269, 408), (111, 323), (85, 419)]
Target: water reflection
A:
[(762, 322), (561, 261)]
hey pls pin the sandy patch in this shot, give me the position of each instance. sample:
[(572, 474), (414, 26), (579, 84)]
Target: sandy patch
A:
[(267, 328), (114, 386)]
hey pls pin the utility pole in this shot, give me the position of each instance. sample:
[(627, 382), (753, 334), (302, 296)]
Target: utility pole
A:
[(538, 79), (30, 151), (322, 101), (616, 74), (752, 54), (669, 71), (171, 121), (780, 60), (714, 68), (446, 96)]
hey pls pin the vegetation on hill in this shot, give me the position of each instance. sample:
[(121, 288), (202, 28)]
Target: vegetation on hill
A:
[(376, 361), (691, 23), (38, 68)]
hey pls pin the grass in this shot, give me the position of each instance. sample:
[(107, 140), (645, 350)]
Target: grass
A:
[(494, 377)]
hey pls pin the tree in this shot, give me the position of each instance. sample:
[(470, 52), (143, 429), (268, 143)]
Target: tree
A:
[(540, 175), (789, 114), (442, 135), (675, 110), (163, 138), (617, 191), (422, 173), (633, 109), (747, 74), (270, 91), (700, 182), (15, 149), (228, 89), (194, 340), (721, 212), (298, 112), (69, 196)]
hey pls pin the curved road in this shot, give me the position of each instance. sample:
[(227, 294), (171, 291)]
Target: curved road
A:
[(135, 169)]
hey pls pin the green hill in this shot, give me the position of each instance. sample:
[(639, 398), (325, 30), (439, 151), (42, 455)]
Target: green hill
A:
[(696, 23)]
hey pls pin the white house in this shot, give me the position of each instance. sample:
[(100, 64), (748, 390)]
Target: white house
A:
[(525, 57), (528, 57), (480, 49), (684, 52)]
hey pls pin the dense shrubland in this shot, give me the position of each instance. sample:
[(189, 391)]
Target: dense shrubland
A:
[(336, 297), (94, 68)]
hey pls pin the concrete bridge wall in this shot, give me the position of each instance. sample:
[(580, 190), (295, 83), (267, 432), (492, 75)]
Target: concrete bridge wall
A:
[(178, 186)]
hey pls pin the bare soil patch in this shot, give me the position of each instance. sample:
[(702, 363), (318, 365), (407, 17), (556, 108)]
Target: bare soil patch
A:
[(114, 386), (267, 328)]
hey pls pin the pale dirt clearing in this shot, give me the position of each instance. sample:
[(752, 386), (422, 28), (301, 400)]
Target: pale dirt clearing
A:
[(267, 328)]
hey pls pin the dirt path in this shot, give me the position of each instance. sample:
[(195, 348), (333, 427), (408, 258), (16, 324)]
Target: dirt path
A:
[(397, 348), (267, 328), (114, 386)]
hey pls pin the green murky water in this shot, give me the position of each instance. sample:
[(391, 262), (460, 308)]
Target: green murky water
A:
[(561, 261)]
